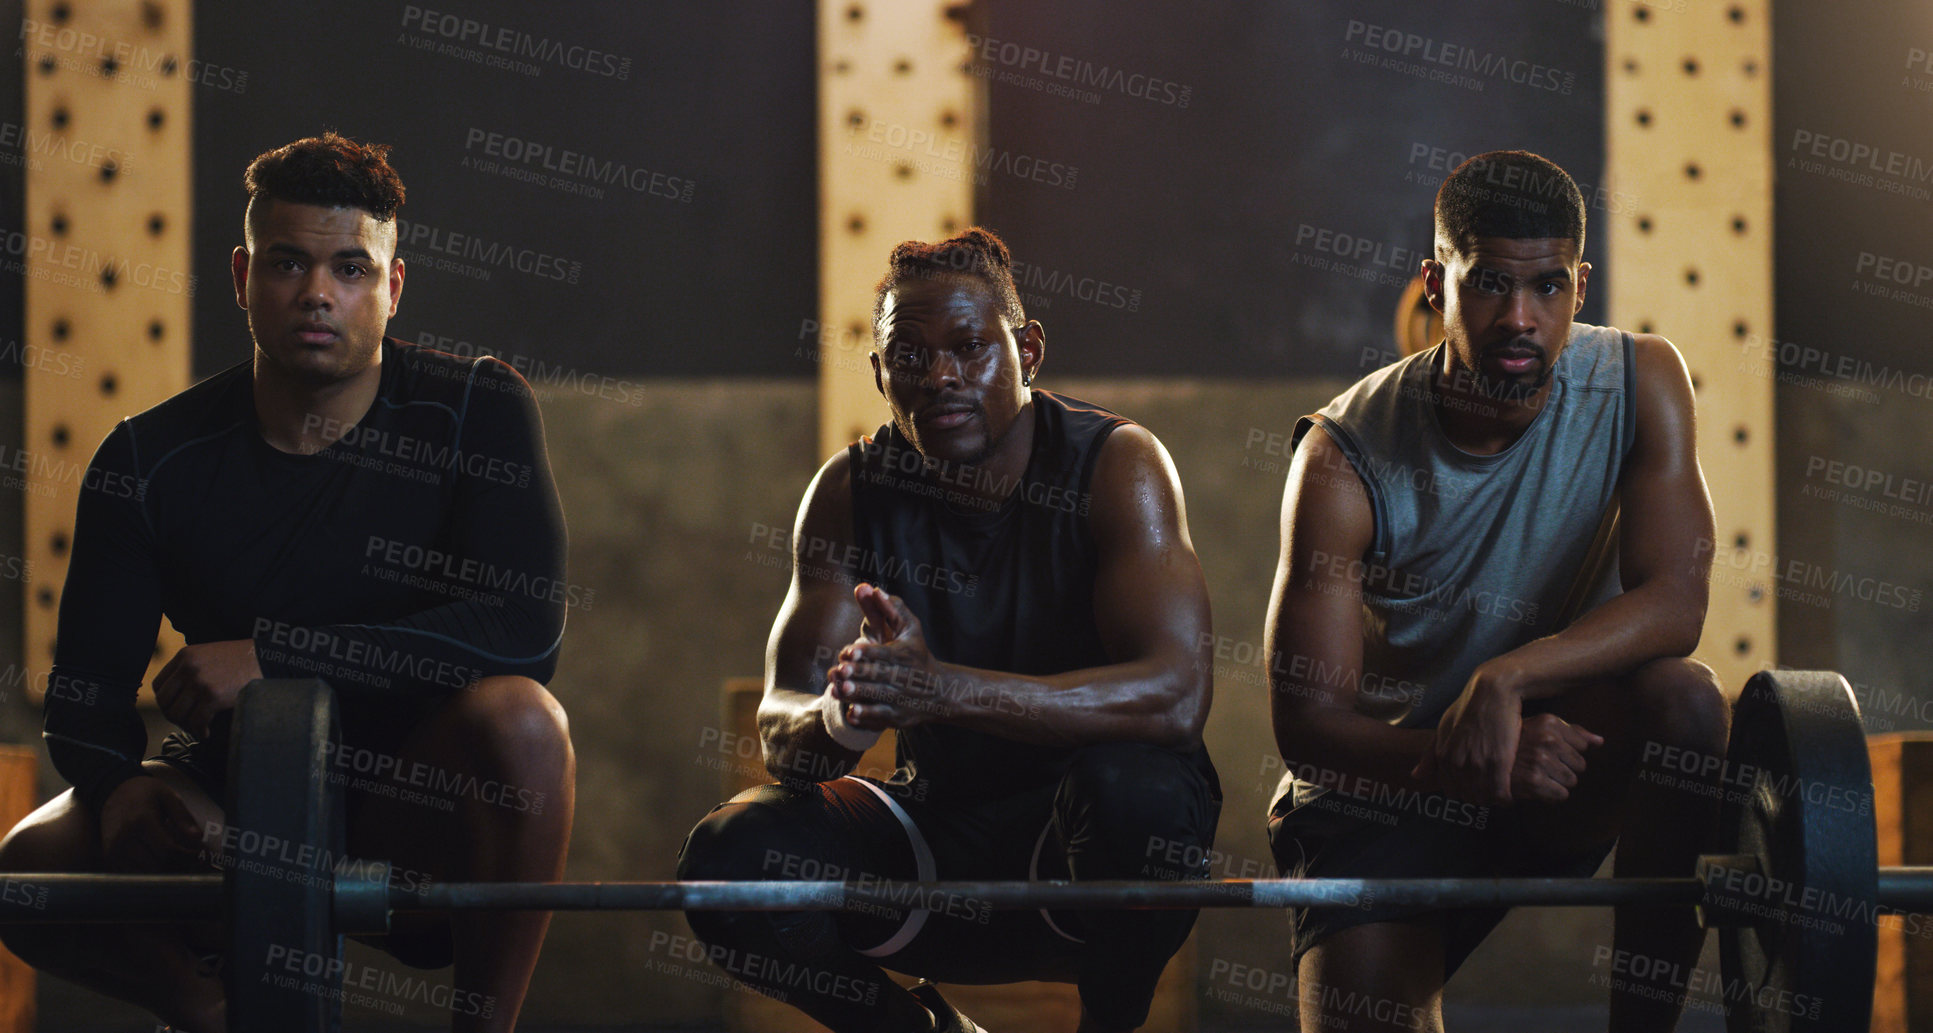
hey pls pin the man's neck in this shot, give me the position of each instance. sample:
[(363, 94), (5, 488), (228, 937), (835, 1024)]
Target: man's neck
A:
[(305, 418), (1476, 420)]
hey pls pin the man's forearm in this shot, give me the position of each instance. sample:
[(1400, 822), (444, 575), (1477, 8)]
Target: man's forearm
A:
[(1336, 748), (797, 745), (1145, 701), (1616, 638)]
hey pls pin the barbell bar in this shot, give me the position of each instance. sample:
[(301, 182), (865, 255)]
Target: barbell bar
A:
[(65, 898), (1793, 733)]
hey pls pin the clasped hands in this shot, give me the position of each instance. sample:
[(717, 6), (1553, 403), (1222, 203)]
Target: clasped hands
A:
[(887, 677), (1486, 752)]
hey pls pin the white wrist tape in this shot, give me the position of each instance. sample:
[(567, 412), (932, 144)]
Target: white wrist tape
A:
[(833, 714)]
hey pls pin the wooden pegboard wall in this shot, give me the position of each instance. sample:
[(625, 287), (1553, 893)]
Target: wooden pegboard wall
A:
[(899, 112), (1688, 110), (108, 283)]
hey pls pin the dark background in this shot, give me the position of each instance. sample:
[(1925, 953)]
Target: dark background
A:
[(1200, 209)]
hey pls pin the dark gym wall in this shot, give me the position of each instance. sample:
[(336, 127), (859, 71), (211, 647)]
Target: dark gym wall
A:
[(611, 189), (1854, 107), (1248, 186)]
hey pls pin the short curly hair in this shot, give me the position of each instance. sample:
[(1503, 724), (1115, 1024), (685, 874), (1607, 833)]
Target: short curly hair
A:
[(1512, 194), (330, 170), (977, 252)]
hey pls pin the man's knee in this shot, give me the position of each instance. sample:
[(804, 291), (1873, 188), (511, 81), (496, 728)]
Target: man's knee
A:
[(505, 716), (1678, 701), (39, 846), (752, 836), (1140, 794)]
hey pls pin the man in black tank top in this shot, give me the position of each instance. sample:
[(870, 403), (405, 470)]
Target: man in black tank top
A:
[(1004, 576), (1412, 758), (342, 506)]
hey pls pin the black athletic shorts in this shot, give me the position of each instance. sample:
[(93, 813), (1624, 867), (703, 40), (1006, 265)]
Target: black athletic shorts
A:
[(1416, 836)]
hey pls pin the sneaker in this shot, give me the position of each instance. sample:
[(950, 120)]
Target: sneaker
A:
[(945, 1019)]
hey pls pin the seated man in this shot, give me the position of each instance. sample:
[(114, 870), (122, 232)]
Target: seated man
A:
[(1437, 628), (343, 506), (1004, 576)]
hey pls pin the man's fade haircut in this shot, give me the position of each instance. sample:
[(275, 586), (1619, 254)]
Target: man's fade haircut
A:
[(977, 252), (1512, 194), (331, 171)]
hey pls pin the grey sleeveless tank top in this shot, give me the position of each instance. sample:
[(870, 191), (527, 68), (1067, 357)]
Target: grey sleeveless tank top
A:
[(1474, 555)]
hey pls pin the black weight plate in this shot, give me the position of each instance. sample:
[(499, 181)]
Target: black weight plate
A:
[(285, 834), (1799, 797)]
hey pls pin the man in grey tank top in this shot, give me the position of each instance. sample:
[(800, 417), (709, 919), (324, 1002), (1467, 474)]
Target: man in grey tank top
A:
[(1461, 687)]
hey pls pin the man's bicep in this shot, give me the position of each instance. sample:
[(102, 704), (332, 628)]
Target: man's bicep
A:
[(819, 615), (1150, 597), (1315, 615), (1666, 512)]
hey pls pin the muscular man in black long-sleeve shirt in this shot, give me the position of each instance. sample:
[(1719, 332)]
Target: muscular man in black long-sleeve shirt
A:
[(343, 506)]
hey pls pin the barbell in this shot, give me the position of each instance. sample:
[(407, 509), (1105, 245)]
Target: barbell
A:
[(1794, 888)]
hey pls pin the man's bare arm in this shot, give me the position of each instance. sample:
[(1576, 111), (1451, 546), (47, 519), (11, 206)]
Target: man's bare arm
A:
[(1664, 549), (1150, 607), (818, 616), (1315, 627)]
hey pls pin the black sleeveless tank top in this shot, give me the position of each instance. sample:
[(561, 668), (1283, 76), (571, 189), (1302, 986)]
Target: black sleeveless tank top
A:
[(1006, 589)]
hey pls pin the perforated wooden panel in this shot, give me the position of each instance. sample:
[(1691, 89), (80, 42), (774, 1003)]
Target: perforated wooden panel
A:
[(108, 285), (1688, 111), (898, 115)]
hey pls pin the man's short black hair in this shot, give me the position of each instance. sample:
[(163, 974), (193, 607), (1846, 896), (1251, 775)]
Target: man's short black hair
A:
[(330, 170), (977, 252), (1513, 194)]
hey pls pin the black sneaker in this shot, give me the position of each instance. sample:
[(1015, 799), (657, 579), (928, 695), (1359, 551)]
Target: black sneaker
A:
[(945, 1019)]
